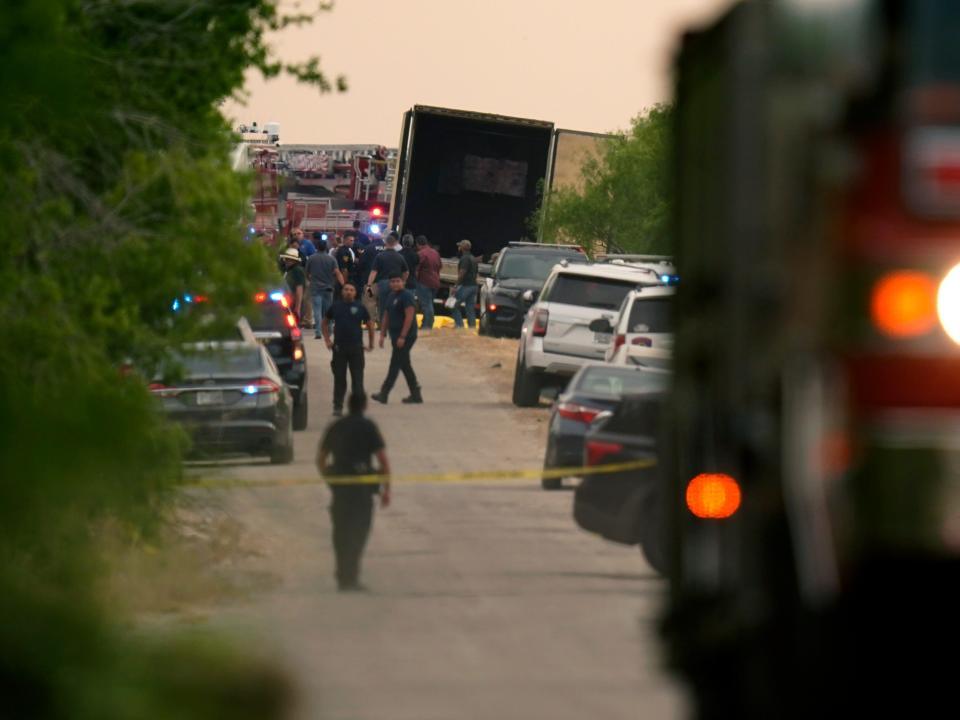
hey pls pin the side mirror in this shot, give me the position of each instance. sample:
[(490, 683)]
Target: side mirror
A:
[(601, 325), (528, 295)]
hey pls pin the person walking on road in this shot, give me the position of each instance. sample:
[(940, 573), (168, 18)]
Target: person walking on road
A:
[(466, 290), (348, 317), (387, 262), (348, 448), (324, 277), (400, 319), (295, 278), (428, 280)]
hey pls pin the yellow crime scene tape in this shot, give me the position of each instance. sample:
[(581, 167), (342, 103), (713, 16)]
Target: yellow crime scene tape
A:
[(457, 477)]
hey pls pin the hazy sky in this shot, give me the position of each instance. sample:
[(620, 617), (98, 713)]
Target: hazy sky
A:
[(584, 65)]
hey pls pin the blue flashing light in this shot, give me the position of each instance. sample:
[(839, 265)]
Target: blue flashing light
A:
[(324, 237), (176, 304), (665, 279), (188, 298), (374, 229), (253, 230), (251, 390), (276, 296)]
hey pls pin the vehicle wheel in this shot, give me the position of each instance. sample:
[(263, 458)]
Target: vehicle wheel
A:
[(283, 454), (483, 326), (652, 541), (300, 413), (526, 386), (552, 483)]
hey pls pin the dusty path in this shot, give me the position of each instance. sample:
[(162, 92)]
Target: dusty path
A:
[(487, 601)]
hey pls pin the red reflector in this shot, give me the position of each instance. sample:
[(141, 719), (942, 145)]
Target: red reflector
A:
[(157, 386), (540, 322), (642, 342), (295, 333), (713, 496), (260, 297), (597, 451), (580, 413)]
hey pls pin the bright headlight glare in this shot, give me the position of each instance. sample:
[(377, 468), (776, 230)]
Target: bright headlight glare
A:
[(948, 304)]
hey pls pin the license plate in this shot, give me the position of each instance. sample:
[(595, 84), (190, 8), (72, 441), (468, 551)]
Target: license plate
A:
[(210, 397), (602, 338)]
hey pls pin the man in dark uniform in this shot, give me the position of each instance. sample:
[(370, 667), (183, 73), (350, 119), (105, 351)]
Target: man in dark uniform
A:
[(387, 262), (348, 317), (353, 442), (400, 317)]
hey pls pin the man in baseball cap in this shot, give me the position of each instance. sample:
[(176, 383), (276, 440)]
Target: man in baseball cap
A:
[(295, 278), (466, 290)]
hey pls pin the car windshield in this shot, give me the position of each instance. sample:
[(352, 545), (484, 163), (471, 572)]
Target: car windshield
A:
[(532, 266), (221, 361), (615, 382), (269, 316), (651, 316), (592, 292)]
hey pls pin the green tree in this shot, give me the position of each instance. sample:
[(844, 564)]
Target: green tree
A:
[(624, 203), (117, 196)]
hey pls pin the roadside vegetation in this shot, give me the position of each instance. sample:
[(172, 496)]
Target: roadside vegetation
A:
[(117, 197), (624, 203)]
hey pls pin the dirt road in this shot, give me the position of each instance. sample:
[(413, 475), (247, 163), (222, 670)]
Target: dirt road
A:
[(486, 602)]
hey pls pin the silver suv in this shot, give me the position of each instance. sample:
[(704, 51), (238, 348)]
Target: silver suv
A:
[(556, 338)]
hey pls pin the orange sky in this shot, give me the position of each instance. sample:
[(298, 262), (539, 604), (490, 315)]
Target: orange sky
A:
[(587, 65)]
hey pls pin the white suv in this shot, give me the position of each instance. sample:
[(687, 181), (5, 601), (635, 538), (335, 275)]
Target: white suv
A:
[(556, 339), (643, 330)]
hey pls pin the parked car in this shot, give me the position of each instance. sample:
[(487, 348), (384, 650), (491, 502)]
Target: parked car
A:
[(230, 397), (275, 326), (643, 329), (514, 283), (625, 506), (596, 388), (556, 339)]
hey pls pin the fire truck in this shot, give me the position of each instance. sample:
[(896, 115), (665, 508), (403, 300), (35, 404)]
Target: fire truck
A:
[(317, 188), (811, 444)]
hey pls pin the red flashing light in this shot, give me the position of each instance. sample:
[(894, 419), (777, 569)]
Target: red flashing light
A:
[(713, 496), (598, 451), (260, 297), (291, 320), (579, 413), (540, 322), (492, 307), (904, 304), (295, 333), (376, 212), (200, 298), (284, 302)]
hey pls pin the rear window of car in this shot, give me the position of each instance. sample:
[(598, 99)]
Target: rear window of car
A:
[(585, 291), (243, 361), (269, 316), (651, 316), (615, 382), (534, 265)]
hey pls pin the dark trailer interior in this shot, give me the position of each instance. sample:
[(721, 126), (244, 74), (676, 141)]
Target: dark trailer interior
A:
[(470, 176)]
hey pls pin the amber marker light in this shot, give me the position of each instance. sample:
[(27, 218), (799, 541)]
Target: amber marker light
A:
[(713, 495), (904, 304)]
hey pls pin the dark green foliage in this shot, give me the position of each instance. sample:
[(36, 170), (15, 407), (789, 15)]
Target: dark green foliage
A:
[(624, 204), (117, 195)]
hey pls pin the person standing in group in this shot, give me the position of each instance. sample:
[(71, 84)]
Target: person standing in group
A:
[(295, 278), (348, 448), (361, 237), (324, 277), (400, 319), (387, 262), (335, 241), (307, 248), (348, 317), (367, 256), (347, 259), (428, 280), (466, 290), (410, 257)]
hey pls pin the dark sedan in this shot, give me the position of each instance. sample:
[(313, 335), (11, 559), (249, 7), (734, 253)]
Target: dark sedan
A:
[(229, 397), (276, 327), (593, 390), (624, 506)]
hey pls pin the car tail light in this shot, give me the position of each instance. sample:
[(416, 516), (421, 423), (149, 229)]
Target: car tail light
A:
[(161, 390), (491, 307), (597, 451), (713, 496), (296, 333), (642, 342), (618, 341), (580, 413), (261, 386), (291, 320), (540, 321), (903, 304), (298, 353)]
